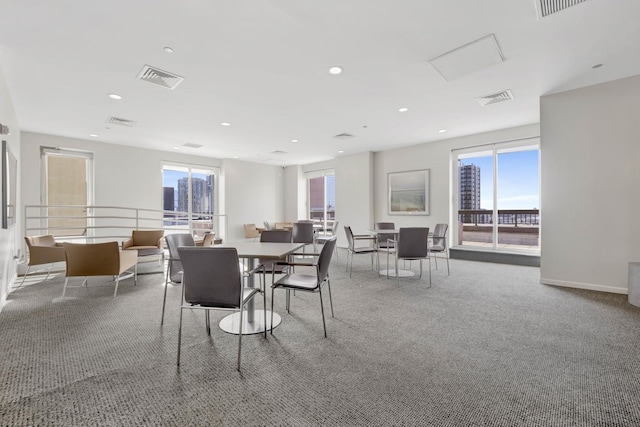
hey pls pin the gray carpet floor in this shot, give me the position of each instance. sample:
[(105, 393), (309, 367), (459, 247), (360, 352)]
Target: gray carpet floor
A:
[(487, 346)]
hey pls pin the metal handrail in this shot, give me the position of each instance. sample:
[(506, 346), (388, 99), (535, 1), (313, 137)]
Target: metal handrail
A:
[(98, 222)]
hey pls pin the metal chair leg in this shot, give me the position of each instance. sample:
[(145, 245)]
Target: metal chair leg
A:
[(115, 291), (179, 337), (272, 290), (25, 276), (164, 302), (64, 288), (330, 299), (207, 322), (324, 325), (240, 336)]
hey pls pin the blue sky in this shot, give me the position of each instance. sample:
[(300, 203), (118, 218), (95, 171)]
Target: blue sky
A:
[(518, 180)]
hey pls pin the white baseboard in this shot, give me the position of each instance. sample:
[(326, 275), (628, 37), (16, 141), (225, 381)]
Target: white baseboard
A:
[(588, 286)]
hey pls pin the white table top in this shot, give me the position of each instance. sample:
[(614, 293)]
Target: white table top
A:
[(262, 249)]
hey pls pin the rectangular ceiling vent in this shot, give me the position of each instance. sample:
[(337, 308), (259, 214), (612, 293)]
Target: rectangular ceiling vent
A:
[(548, 7), (191, 145), (278, 152), (344, 136), (160, 77), (505, 95), (121, 122)]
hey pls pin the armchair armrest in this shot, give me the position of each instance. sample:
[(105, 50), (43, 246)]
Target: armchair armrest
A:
[(127, 243)]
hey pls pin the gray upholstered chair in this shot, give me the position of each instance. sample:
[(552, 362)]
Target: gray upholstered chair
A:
[(274, 236), (43, 250), (307, 282), (99, 259), (439, 244), (174, 267), (212, 280), (354, 248), (413, 245), (302, 232)]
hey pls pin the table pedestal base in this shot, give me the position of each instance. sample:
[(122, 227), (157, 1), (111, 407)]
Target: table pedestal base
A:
[(401, 273), (231, 323)]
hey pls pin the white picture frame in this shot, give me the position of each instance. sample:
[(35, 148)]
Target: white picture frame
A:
[(408, 192)]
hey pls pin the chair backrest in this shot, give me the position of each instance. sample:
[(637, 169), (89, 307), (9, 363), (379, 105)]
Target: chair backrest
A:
[(250, 231), (349, 233), (276, 236), (209, 239), (334, 228), (439, 238), (302, 232), (383, 238), (46, 240), (147, 237), (325, 258), (211, 277), (174, 241), (413, 242), (283, 225), (92, 259)]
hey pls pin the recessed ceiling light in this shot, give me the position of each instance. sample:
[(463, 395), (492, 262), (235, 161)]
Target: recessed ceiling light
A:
[(176, 148), (403, 109), (335, 70), (114, 96), (235, 157), (225, 124), (596, 66), (93, 135), (340, 151), (442, 130), (168, 49), (294, 140)]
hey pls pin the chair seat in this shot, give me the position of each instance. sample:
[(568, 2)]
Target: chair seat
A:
[(142, 247), (364, 250), (438, 248), (298, 281)]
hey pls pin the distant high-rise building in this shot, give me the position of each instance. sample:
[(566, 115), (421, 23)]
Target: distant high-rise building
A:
[(469, 189), (168, 199), (183, 194)]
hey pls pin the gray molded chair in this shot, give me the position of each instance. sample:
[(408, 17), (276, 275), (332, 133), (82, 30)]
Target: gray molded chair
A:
[(354, 249), (174, 269), (302, 232), (212, 280), (308, 282), (412, 245), (328, 235), (439, 244), (274, 236)]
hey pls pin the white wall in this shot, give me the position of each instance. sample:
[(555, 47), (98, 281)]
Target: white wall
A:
[(354, 194), (254, 194), (295, 194), (9, 244), (590, 159), (435, 156)]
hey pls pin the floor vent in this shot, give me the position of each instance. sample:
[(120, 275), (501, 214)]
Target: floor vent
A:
[(548, 7), (160, 77), (505, 95), (121, 122)]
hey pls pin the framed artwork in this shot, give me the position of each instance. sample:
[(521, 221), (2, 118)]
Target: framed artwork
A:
[(409, 192), (9, 186)]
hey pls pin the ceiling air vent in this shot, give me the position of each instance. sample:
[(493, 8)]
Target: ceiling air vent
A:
[(505, 95), (548, 7), (191, 145), (344, 136), (278, 152), (160, 77), (121, 122)]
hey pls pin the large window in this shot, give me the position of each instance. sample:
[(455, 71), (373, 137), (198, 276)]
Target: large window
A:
[(189, 197), (321, 193), (498, 200), (67, 189)]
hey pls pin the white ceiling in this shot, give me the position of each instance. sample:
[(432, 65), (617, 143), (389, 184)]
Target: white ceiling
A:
[(262, 65)]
